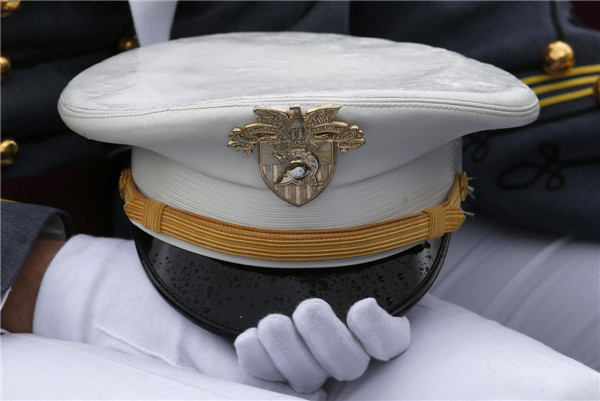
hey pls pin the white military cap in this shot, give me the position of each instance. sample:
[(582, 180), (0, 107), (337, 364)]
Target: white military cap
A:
[(272, 167)]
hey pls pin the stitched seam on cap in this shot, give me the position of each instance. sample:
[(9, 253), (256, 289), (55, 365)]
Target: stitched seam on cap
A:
[(277, 99), (525, 113)]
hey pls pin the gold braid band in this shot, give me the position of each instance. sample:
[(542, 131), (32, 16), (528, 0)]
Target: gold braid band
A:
[(294, 245)]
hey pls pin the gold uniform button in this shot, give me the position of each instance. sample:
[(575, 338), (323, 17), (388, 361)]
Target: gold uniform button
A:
[(558, 58), (9, 7), (6, 66), (129, 41), (9, 149)]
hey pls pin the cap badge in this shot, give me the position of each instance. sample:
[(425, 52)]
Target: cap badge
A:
[(296, 152)]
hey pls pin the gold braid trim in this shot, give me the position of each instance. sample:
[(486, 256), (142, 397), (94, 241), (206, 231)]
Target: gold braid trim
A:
[(294, 245), (560, 83)]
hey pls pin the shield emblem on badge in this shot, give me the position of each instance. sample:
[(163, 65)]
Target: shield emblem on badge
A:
[(296, 152), (297, 175)]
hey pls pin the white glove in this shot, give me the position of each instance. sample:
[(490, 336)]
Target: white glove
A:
[(314, 344), (95, 291)]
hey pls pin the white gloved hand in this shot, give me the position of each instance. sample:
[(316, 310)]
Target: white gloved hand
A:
[(314, 344)]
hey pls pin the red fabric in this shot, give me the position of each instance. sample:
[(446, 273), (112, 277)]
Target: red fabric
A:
[(85, 192), (588, 12)]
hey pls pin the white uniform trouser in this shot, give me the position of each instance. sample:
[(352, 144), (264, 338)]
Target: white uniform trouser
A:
[(95, 291), (455, 354), (543, 285), (35, 367)]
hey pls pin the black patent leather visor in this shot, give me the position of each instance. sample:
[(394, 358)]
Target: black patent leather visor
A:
[(227, 298)]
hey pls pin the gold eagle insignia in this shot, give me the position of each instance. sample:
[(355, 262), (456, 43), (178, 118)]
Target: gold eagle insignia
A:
[(296, 152)]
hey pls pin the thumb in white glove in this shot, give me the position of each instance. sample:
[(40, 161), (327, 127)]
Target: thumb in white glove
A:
[(315, 344)]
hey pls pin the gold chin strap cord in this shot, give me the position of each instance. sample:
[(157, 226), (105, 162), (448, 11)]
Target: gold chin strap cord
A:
[(299, 244)]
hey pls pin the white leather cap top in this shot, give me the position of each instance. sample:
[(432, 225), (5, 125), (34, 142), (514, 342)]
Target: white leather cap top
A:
[(177, 102), (182, 98)]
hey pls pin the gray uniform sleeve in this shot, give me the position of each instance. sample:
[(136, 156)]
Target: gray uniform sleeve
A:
[(22, 225)]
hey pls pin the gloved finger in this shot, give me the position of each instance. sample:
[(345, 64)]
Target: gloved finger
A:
[(382, 335), (253, 357), (329, 340), (289, 354)]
